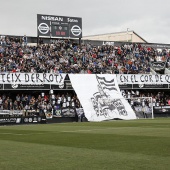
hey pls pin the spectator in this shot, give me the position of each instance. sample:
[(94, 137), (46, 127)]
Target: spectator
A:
[(25, 40), (62, 56)]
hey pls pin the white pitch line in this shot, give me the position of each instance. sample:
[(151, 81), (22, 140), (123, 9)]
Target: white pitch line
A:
[(21, 134), (6, 133), (89, 130), (73, 131)]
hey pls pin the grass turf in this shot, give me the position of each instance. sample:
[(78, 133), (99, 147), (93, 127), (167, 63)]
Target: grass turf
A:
[(117, 145)]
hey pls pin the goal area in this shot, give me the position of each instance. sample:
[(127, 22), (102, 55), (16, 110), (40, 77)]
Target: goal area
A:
[(142, 106), (106, 106)]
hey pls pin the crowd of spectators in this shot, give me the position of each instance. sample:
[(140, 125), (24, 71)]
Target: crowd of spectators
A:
[(38, 102), (65, 56), (158, 98)]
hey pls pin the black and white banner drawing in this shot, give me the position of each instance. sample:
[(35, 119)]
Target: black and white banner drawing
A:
[(103, 103), (100, 97)]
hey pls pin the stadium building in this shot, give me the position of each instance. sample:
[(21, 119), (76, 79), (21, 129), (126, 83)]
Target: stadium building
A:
[(64, 79), (124, 36)]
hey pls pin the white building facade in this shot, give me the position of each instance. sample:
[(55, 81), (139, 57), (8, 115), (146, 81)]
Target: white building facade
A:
[(126, 36)]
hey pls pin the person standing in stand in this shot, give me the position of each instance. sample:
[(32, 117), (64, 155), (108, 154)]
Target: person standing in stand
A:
[(24, 38), (79, 114)]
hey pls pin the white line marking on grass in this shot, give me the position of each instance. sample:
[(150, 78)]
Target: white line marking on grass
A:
[(28, 133), (21, 134), (38, 124), (48, 132), (6, 133), (88, 130)]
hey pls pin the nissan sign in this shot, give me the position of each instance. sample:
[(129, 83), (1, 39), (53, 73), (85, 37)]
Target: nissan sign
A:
[(59, 26), (43, 28), (76, 30)]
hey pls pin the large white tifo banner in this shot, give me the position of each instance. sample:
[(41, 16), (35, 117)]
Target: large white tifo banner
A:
[(32, 78), (143, 79), (100, 97)]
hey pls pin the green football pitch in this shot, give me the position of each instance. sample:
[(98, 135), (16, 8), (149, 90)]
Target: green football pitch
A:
[(115, 145)]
